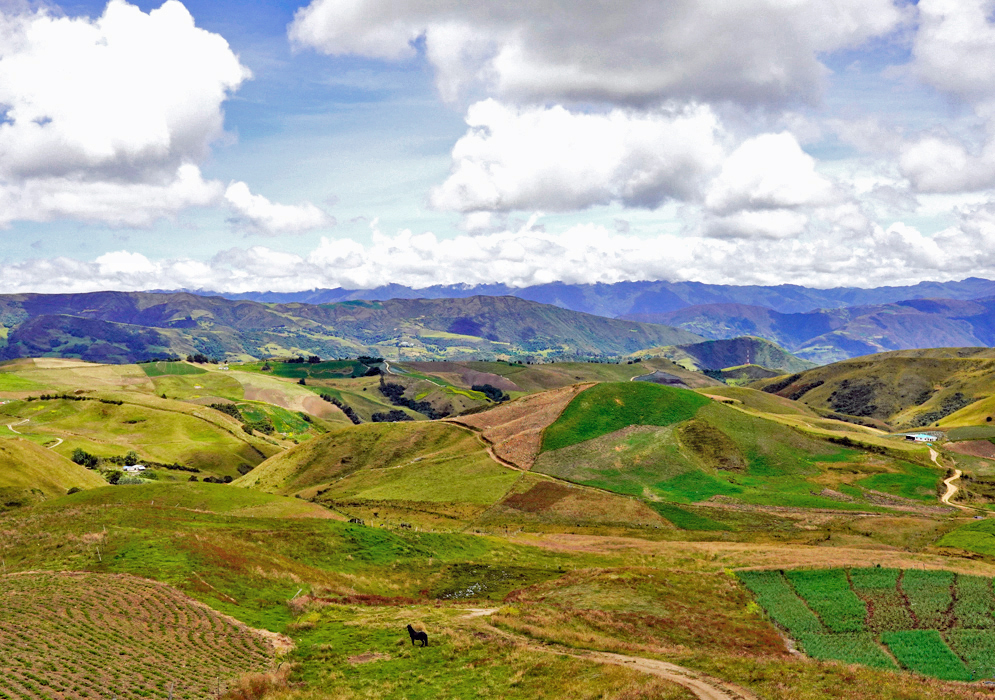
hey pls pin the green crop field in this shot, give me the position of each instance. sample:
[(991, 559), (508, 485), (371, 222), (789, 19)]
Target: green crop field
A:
[(685, 519), (933, 622), (605, 408), (827, 592)]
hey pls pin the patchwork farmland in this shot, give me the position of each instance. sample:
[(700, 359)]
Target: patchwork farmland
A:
[(932, 622)]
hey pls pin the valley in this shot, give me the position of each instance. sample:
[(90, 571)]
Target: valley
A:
[(647, 528)]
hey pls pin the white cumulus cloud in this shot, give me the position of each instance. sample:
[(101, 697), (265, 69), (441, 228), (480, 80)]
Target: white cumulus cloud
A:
[(106, 119), (557, 160), (625, 52), (257, 214)]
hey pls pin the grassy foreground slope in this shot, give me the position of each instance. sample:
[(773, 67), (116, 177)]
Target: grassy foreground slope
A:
[(28, 470)]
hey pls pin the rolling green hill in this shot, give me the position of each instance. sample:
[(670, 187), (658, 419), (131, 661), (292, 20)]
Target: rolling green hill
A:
[(732, 352), (29, 472), (907, 388), (671, 444), (429, 470)]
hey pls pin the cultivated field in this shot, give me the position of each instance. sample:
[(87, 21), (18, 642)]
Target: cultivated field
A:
[(105, 636)]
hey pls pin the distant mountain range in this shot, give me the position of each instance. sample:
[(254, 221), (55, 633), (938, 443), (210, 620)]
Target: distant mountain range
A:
[(837, 334), (819, 325), (130, 326), (621, 298)]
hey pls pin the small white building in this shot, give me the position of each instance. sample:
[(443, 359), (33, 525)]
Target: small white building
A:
[(134, 468), (922, 437)]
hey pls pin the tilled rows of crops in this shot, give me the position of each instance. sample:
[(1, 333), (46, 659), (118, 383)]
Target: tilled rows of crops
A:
[(110, 636), (936, 623)]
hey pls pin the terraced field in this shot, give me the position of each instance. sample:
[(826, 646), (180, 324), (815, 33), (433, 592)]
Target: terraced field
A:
[(935, 623), (105, 636)]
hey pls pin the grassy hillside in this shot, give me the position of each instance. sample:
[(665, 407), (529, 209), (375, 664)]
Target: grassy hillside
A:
[(675, 445), (732, 352), (158, 430), (605, 408), (909, 388), (432, 471), (29, 471)]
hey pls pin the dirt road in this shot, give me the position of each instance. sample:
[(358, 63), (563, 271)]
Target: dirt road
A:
[(702, 686), (948, 482)]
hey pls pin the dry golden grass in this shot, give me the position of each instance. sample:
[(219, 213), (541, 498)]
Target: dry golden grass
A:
[(760, 555), (515, 428)]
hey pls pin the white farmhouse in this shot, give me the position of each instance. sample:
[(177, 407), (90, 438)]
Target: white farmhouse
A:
[(134, 468)]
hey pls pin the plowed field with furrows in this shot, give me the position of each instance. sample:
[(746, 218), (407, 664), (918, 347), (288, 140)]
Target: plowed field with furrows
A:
[(68, 636)]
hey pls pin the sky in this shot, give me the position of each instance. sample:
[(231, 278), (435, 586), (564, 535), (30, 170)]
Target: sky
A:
[(287, 146)]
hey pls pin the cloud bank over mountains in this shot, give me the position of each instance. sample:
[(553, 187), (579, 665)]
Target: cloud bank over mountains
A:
[(729, 131)]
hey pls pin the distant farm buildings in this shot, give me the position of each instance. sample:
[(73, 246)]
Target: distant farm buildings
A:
[(922, 437), (134, 468)]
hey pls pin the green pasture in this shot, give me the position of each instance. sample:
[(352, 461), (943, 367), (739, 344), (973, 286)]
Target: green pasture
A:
[(723, 451), (160, 369)]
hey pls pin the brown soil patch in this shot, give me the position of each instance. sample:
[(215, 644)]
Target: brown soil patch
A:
[(973, 448), (515, 428), (314, 405), (368, 657), (540, 497)]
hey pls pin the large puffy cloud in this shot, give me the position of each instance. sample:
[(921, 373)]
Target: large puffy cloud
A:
[(954, 47), (628, 51), (898, 254), (954, 51), (556, 160), (255, 213), (762, 187), (106, 120)]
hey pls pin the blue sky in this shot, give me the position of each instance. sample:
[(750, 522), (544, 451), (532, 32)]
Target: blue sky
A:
[(437, 142)]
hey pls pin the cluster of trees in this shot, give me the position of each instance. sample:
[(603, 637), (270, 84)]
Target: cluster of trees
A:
[(160, 358), (491, 392), (346, 409), (393, 416), (311, 360), (201, 359), (229, 408), (263, 425), (91, 461), (216, 479), (73, 397), (395, 394)]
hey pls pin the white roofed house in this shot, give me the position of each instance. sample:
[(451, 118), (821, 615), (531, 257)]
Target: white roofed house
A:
[(133, 468)]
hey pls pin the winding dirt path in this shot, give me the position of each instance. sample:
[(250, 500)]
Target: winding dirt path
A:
[(703, 686), (948, 482), (10, 426)]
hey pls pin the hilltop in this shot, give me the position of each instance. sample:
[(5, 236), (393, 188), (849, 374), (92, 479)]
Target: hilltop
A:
[(908, 388), (732, 353), (122, 327)]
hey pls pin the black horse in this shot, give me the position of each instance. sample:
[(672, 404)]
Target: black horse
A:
[(417, 636)]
